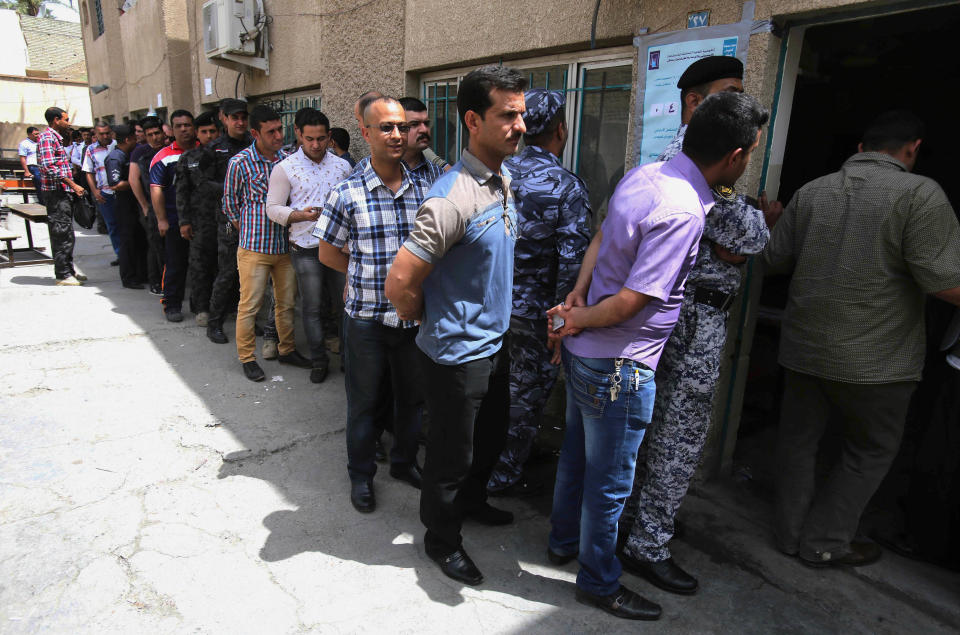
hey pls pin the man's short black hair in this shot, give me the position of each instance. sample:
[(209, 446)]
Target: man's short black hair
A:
[(52, 113), (722, 123), (206, 118), (474, 91), (341, 137), (101, 123), (413, 104), (150, 122), (31, 129), (76, 135), (310, 117), (261, 114), (123, 132), (180, 113), (892, 130)]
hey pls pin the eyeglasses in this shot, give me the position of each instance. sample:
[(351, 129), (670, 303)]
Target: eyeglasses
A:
[(387, 127)]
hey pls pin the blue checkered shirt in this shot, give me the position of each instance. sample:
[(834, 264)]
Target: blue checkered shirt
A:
[(365, 213), (427, 170), (245, 201)]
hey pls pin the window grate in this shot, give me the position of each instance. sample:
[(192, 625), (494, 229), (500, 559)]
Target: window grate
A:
[(99, 11)]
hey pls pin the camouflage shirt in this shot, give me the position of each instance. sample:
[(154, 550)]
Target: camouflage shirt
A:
[(733, 224), (198, 192), (222, 150), (554, 218)]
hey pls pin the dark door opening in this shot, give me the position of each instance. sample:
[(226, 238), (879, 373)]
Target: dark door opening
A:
[(849, 73)]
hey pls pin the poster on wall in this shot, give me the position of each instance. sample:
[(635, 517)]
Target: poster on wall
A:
[(663, 57)]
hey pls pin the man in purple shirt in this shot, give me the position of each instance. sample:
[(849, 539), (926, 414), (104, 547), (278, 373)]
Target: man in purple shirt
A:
[(615, 323)]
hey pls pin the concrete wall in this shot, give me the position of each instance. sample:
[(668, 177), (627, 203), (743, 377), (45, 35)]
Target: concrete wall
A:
[(141, 54), (24, 101)]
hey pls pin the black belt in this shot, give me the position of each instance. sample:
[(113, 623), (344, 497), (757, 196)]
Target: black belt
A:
[(714, 298)]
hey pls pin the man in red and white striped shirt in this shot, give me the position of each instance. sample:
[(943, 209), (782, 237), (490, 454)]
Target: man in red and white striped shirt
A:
[(56, 183)]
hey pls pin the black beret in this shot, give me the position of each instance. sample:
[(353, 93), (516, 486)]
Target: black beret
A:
[(710, 69)]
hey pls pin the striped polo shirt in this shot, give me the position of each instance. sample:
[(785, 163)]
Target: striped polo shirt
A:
[(163, 168)]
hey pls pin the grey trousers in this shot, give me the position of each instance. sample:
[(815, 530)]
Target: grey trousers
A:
[(819, 523)]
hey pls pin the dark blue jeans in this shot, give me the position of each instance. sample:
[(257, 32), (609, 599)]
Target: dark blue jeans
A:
[(108, 211), (595, 471), (314, 279), (372, 349), (35, 174)]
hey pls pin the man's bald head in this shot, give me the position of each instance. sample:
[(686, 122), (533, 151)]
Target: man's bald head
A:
[(362, 102)]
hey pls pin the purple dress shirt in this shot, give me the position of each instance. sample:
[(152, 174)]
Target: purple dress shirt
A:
[(650, 238)]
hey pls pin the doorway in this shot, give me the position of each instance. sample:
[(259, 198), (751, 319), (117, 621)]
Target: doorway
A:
[(846, 73)]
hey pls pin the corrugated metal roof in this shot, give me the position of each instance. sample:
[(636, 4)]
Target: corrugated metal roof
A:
[(54, 46)]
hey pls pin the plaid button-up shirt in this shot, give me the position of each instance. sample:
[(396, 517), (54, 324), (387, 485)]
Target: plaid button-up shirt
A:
[(366, 213), (245, 201), (53, 161), (427, 170)]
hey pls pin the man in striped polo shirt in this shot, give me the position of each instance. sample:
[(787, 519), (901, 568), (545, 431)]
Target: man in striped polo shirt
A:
[(163, 195), (263, 249)]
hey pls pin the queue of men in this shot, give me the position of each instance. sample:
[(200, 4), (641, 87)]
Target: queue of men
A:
[(461, 287)]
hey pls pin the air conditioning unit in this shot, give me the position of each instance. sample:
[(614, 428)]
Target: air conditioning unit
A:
[(235, 33)]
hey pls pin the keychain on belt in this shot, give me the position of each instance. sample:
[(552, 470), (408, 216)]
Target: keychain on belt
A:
[(615, 386)]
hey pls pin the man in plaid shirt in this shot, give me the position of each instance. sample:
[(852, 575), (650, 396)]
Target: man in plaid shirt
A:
[(56, 183), (263, 251), (373, 210)]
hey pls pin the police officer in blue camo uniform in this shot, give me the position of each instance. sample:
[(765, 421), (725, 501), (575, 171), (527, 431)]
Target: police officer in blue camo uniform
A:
[(553, 212), (690, 365)]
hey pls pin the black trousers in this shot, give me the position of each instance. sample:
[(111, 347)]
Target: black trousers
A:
[(177, 255), (155, 249), (469, 407), (133, 240), (60, 223)]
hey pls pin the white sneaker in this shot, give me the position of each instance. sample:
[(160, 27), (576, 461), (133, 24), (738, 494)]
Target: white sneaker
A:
[(269, 349), (203, 318), (69, 282)]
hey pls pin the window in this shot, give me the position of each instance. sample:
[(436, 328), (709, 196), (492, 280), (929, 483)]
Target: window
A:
[(599, 105), (97, 19)]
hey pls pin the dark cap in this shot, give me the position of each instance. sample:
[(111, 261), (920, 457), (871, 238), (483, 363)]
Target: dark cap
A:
[(230, 106), (710, 69), (542, 107)]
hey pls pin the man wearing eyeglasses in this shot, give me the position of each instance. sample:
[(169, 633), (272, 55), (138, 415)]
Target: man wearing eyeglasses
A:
[(373, 210), (418, 141)]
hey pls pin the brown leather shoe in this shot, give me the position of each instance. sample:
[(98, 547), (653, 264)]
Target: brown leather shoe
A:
[(860, 554)]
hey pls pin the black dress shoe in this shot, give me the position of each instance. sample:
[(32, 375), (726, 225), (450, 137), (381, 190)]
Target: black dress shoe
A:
[(379, 452), (215, 334), (173, 315), (460, 567), (132, 285), (319, 372), (622, 603), (294, 358), (488, 515), (114, 263), (409, 473), (665, 574), (362, 498), (253, 371), (560, 559)]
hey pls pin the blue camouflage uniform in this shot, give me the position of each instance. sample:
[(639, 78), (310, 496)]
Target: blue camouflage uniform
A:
[(688, 372), (554, 218)]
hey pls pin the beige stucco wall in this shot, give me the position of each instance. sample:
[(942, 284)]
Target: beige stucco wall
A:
[(26, 99), (143, 53)]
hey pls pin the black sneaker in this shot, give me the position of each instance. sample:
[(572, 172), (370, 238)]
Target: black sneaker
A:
[(156, 289), (319, 372), (215, 334), (294, 358), (173, 315), (253, 371)]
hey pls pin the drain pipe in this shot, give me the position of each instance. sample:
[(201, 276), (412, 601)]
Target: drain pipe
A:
[(593, 27)]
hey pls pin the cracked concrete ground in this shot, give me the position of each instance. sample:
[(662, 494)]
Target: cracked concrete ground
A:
[(146, 486)]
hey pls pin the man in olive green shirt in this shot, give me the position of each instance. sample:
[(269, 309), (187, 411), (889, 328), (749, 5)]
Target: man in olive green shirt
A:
[(865, 245)]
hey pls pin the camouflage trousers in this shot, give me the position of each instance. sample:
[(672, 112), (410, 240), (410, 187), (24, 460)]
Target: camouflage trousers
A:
[(668, 457), (204, 257), (532, 377), (225, 292), (60, 223)]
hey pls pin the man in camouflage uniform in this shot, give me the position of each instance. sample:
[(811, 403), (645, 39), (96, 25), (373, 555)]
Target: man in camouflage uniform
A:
[(225, 291), (690, 365), (196, 208), (554, 217)]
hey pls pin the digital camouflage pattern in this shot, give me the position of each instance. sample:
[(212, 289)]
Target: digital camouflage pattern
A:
[(687, 376), (198, 198), (554, 220)]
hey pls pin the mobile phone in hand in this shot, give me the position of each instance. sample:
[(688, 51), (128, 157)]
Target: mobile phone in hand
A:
[(558, 323)]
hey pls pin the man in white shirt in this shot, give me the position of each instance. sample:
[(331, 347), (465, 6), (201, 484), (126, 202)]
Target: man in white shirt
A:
[(96, 172), (28, 156), (298, 188)]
